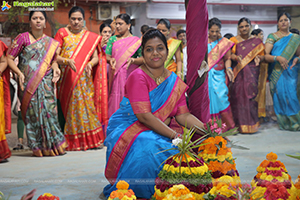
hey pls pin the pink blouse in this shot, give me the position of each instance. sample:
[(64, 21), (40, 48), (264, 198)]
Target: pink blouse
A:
[(137, 89), (21, 41)]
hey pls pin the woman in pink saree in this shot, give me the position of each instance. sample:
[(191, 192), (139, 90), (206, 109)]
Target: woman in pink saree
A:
[(122, 51)]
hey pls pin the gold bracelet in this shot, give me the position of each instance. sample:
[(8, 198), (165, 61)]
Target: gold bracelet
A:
[(65, 61), (91, 63)]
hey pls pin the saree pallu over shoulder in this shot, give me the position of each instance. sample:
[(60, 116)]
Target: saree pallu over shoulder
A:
[(124, 49), (81, 55), (6, 90), (218, 52), (248, 49), (173, 45), (163, 100), (101, 90), (49, 47)]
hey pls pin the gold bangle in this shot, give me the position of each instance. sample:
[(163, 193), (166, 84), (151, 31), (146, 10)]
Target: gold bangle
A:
[(65, 61), (91, 63)]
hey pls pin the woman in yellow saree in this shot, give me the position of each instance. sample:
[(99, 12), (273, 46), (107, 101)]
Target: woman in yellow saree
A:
[(82, 90), (172, 65)]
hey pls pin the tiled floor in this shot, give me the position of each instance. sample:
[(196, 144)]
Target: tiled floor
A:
[(80, 175)]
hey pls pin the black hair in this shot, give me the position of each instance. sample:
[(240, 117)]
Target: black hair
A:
[(153, 33), (107, 21), (144, 28), (43, 12), (294, 30), (76, 9), (102, 26), (244, 19), (179, 32), (214, 21), (228, 35), (256, 31), (284, 13), (166, 22), (125, 17)]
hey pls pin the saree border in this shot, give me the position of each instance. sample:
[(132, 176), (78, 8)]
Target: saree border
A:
[(248, 58), (174, 44), (65, 97), (122, 146), (34, 82)]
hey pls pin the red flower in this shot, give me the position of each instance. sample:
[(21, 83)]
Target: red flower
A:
[(276, 190)]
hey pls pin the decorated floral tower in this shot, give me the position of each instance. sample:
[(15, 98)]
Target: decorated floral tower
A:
[(216, 154), (122, 192), (272, 181), (184, 168)]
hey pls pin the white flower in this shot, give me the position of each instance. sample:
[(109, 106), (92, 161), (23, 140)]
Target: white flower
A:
[(176, 141)]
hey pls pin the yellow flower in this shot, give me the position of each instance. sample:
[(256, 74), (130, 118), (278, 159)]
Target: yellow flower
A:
[(159, 193), (269, 178), (47, 195), (263, 176), (258, 192), (280, 179), (285, 176), (226, 192), (229, 155), (260, 169), (212, 156), (221, 158), (225, 179)]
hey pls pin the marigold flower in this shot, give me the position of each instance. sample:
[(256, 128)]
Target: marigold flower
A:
[(122, 185), (272, 156)]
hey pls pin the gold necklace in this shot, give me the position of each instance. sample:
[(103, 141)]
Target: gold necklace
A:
[(283, 35), (159, 79)]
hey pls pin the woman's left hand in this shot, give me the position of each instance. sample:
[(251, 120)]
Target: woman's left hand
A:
[(129, 62), (295, 61), (257, 60), (88, 69), (230, 74), (56, 75)]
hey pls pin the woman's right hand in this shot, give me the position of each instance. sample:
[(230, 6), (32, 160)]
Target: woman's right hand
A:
[(21, 80), (283, 62), (104, 41), (72, 64), (113, 63), (239, 59)]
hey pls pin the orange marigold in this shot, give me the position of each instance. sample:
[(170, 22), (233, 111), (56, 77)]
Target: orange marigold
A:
[(122, 185), (113, 194), (272, 156), (258, 175), (264, 163)]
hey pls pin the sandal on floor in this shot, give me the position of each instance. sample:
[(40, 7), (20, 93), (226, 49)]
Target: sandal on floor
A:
[(19, 147)]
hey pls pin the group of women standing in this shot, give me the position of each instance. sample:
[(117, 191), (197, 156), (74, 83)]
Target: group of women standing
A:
[(237, 69)]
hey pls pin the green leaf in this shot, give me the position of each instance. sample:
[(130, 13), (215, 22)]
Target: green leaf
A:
[(297, 157)]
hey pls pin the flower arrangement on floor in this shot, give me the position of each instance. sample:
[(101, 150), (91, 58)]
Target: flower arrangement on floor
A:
[(48, 196), (272, 181), (215, 152), (184, 168), (179, 192), (122, 192)]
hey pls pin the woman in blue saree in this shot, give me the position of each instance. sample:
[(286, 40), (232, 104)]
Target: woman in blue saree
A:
[(282, 52), (141, 128)]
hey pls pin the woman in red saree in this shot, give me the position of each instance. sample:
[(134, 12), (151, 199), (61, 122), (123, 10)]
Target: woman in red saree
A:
[(82, 90), (246, 54), (37, 72), (5, 112), (122, 52)]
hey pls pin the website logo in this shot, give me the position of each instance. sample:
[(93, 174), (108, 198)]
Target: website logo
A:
[(5, 6)]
